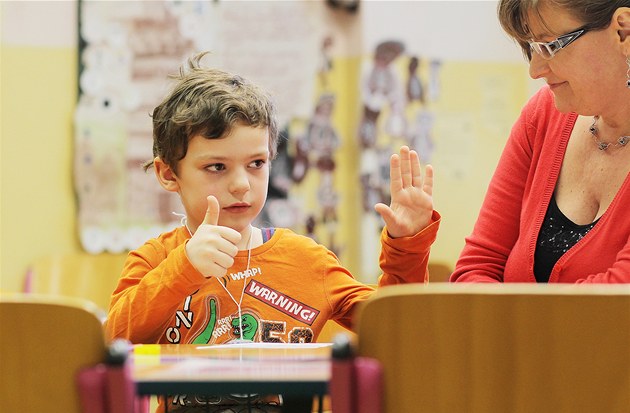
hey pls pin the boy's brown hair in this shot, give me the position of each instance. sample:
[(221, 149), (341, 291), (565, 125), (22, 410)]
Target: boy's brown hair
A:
[(208, 102)]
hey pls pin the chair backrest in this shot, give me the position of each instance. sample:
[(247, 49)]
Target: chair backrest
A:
[(93, 277), (439, 271), (500, 348), (44, 342)]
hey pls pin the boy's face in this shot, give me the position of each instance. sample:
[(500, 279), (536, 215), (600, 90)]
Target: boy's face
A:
[(234, 168)]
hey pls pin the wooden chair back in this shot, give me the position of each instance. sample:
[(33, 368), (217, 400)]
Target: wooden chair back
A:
[(500, 348), (44, 342), (439, 271), (92, 277)]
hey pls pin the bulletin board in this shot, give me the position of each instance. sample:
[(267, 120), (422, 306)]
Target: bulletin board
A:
[(127, 49)]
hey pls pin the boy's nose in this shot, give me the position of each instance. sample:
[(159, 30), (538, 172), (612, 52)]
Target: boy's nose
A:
[(240, 182)]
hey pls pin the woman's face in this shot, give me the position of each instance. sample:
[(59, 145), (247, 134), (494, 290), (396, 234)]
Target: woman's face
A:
[(584, 75)]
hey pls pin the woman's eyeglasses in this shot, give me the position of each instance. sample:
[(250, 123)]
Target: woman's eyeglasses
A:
[(549, 50)]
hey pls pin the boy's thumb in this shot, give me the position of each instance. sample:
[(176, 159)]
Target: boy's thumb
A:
[(212, 213)]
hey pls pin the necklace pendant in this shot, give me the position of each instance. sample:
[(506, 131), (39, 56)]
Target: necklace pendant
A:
[(602, 146), (624, 140)]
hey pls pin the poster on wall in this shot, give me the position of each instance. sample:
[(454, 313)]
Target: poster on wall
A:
[(398, 93), (127, 51)]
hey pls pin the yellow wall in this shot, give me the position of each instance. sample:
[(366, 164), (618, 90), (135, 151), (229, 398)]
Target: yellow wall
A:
[(345, 119), (479, 102), (350, 191), (38, 208)]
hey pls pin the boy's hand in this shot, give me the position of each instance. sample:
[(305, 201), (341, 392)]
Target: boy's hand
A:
[(212, 248), (411, 196)]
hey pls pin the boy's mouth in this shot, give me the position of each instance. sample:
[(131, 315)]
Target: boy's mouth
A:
[(237, 208)]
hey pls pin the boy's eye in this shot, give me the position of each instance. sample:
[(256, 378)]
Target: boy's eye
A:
[(216, 167), (258, 163)]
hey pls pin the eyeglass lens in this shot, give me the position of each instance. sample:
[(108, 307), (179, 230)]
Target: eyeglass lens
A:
[(545, 50)]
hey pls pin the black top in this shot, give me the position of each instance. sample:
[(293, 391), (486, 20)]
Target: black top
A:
[(557, 235)]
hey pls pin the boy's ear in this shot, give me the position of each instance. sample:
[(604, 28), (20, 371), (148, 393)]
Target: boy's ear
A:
[(165, 175)]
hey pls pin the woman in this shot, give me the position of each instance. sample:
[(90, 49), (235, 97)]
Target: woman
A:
[(558, 206)]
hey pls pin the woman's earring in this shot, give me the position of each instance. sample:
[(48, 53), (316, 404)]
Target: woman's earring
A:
[(628, 72)]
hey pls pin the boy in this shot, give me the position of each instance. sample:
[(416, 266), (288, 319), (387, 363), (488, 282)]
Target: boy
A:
[(216, 278)]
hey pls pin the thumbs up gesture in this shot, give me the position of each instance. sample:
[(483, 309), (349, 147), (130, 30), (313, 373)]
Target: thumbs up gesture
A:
[(212, 248)]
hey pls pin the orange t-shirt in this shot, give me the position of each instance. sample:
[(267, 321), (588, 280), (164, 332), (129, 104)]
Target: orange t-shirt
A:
[(292, 287)]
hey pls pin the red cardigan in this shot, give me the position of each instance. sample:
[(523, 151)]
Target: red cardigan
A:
[(501, 246)]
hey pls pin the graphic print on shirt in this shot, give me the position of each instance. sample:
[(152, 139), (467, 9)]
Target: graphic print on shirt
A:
[(250, 327), (228, 328), (227, 325), (276, 332), (241, 275), (212, 327), (283, 303), (249, 322), (222, 329), (233, 403), (206, 334), (183, 318)]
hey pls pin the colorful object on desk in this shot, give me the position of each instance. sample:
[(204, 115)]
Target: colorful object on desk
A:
[(297, 371)]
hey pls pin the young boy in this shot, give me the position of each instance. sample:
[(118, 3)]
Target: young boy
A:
[(217, 278)]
